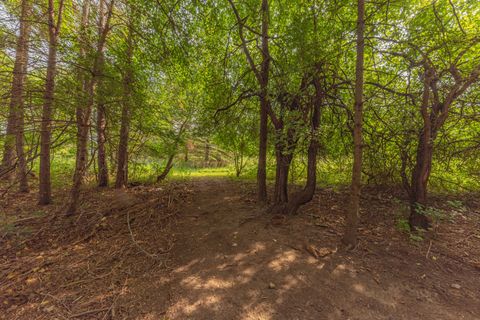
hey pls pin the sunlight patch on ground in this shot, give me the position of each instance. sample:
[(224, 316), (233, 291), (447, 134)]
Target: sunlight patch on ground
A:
[(263, 311), (386, 299), (343, 269), (359, 288), (249, 271), (186, 267), (208, 301), (283, 260), (195, 282)]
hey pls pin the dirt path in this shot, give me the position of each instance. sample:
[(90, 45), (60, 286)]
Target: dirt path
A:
[(230, 262)]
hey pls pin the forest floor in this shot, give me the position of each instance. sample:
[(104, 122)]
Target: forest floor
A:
[(203, 249)]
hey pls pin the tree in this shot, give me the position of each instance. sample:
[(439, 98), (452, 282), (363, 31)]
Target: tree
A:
[(101, 116), (122, 158), (45, 189), (437, 99), (14, 141), (350, 236), (84, 112), (262, 76)]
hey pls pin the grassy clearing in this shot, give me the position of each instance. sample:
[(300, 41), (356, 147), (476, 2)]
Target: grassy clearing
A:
[(329, 173)]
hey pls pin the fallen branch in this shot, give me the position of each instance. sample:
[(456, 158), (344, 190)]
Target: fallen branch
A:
[(153, 256)]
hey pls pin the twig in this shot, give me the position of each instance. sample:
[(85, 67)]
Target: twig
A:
[(428, 251), (466, 238), (114, 301), (153, 256), (58, 300)]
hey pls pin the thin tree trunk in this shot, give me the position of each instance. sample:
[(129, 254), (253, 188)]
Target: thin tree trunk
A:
[(185, 155), (306, 195), (350, 236), (122, 163), (262, 150), (19, 147), (45, 192), (420, 175), (284, 150), (264, 105), (14, 139), (101, 138), (167, 168), (421, 171), (207, 153), (283, 162), (81, 116), (101, 118)]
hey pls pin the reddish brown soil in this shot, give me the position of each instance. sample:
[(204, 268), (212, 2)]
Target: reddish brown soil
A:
[(205, 250)]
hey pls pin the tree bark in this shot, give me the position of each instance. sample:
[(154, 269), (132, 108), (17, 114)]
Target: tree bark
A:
[(264, 105), (420, 175), (45, 190), (283, 162), (101, 138), (262, 150), (350, 236), (14, 139), (101, 117)]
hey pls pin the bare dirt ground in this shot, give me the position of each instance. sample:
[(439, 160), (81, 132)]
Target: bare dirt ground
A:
[(204, 250)]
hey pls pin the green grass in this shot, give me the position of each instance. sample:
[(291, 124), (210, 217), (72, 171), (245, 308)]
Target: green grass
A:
[(184, 172), (330, 173)]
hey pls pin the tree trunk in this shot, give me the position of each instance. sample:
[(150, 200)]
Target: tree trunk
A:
[(19, 147), (81, 162), (101, 155), (207, 153), (122, 163), (45, 192), (262, 151), (82, 117), (306, 195), (283, 162), (14, 139), (264, 105), (420, 175), (185, 155), (167, 168), (421, 171), (101, 118), (350, 236), (434, 112)]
